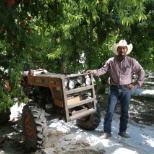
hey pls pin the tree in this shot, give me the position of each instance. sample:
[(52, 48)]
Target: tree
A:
[(141, 35), (53, 33)]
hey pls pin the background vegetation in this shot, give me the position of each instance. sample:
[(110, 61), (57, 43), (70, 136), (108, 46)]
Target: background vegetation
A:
[(52, 34)]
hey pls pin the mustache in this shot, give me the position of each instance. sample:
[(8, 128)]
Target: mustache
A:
[(121, 53)]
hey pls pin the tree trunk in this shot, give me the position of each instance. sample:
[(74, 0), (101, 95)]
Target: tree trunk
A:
[(63, 64)]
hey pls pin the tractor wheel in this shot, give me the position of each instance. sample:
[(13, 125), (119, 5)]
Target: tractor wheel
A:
[(91, 121), (4, 116), (34, 126)]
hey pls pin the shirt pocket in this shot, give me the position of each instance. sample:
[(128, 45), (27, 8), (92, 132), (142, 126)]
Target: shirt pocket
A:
[(126, 70)]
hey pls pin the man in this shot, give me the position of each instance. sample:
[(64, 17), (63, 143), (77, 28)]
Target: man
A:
[(121, 69)]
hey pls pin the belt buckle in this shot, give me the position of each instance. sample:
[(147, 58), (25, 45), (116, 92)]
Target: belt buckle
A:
[(120, 86), (123, 86)]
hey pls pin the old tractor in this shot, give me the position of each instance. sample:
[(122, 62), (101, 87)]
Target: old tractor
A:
[(66, 96)]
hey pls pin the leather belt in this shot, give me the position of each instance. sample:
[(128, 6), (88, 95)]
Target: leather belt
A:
[(120, 86)]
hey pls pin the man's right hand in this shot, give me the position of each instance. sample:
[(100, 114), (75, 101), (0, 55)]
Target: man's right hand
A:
[(90, 71)]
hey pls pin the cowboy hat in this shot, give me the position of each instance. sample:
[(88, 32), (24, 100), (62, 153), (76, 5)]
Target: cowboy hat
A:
[(122, 43)]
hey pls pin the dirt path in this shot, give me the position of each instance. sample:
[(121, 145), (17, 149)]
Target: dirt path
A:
[(12, 141)]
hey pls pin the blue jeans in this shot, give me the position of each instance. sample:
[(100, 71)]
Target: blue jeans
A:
[(123, 95)]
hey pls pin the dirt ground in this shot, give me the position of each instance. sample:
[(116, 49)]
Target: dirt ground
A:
[(12, 141)]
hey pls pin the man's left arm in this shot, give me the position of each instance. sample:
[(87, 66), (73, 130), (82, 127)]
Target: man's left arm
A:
[(140, 74)]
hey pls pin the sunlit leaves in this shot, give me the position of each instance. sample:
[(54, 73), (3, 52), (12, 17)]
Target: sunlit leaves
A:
[(56, 54), (43, 31), (131, 9)]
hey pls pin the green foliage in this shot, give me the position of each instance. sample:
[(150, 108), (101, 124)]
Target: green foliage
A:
[(51, 33), (141, 35), (131, 11)]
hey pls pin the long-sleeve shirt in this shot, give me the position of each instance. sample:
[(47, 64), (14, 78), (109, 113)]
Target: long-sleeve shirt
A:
[(121, 72)]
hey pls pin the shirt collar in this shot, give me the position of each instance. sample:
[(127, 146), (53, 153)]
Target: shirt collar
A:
[(116, 57)]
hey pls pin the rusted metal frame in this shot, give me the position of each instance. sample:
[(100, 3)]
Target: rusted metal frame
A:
[(66, 106), (67, 118), (78, 111), (78, 89), (84, 113), (93, 92), (75, 75), (32, 81), (81, 103)]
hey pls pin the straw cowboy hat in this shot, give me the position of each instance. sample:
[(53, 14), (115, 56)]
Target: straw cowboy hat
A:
[(122, 43)]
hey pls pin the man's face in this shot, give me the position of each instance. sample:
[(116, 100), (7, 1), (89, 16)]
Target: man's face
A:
[(122, 50)]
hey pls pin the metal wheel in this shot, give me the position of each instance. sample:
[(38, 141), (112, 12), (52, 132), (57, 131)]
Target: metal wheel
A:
[(91, 121), (29, 126), (34, 126)]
